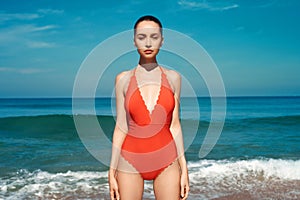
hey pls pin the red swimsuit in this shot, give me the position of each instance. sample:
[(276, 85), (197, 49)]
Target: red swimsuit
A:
[(149, 145)]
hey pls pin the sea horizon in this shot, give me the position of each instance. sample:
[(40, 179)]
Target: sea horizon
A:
[(99, 97)]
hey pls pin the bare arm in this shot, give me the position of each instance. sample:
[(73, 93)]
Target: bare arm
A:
[(175, 127), (176, 131), (118, 135), (121, 124)]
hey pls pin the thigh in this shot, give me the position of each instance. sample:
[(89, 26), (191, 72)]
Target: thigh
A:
[(167, 184), (131, 185)]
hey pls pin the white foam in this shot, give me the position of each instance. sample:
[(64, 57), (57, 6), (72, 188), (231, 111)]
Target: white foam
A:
[(283, 169), (208, 179), (265, 178), (41, 184)]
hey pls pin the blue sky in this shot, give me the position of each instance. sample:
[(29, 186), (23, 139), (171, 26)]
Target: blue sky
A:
[(255, 44)]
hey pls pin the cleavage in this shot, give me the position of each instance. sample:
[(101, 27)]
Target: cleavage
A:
[(149, 88), (150, 96)]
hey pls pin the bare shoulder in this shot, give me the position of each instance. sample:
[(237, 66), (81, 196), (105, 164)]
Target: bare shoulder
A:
[(174, 79), (122, 81), (173, 76), (123, 76)]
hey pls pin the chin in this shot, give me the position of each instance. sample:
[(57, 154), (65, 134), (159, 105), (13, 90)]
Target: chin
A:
[(149, 55)]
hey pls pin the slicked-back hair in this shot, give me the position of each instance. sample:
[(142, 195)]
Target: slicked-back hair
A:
[(148, 18)]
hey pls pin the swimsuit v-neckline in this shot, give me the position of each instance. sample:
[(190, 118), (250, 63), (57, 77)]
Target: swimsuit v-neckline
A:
[(159, 92)]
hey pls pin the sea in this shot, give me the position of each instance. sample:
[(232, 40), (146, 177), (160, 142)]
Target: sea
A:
[(256, 154)]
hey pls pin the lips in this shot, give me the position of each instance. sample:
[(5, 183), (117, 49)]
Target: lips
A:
[(148, 51)]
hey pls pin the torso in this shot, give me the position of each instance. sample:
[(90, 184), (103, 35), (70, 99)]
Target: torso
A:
[(149, 130)]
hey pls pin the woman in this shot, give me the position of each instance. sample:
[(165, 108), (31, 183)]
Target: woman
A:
[(147, 140)]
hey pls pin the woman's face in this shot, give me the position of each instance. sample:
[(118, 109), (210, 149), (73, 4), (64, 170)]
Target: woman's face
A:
[(148, 39)]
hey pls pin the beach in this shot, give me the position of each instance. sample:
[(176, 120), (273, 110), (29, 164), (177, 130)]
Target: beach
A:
[(256, 157)]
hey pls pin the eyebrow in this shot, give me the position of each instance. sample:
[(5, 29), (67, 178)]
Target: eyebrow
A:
[(142, 34)]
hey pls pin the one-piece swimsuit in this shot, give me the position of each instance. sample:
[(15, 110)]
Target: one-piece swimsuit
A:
[(149, 145)]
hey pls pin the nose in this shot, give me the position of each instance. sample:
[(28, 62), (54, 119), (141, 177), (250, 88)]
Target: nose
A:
[(148, 43)]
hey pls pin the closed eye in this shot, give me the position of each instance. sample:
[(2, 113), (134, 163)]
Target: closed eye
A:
[(141, 36), (154, 36)]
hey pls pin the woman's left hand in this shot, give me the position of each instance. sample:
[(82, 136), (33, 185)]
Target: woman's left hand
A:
[(184, 184)]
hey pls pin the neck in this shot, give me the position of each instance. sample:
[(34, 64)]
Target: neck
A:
[(148, 64)]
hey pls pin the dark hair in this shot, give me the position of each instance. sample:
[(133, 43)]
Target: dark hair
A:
[(148, 18)]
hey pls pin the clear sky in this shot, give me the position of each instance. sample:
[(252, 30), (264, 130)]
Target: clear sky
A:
[(254, 43)]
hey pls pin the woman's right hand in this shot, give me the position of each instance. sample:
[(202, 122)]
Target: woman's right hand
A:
[(113, 186)]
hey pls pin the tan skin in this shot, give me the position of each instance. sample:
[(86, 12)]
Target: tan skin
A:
[(124, 181)]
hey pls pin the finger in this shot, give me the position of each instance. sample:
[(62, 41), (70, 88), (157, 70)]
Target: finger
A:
[(187, 189), (117, 195), (182, 192), (112, 195), (186, 195)]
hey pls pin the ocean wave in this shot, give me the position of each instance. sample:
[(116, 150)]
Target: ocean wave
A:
[(245, 179), (66, 117), (44, 185), (289, 119), (53, 124), (209, 179), (265, 168)]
